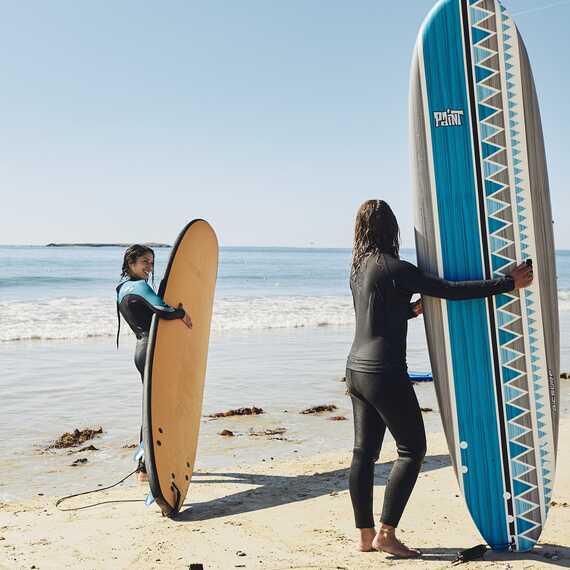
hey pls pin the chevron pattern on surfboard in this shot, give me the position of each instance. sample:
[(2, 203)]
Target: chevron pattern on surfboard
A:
[(501, 129)]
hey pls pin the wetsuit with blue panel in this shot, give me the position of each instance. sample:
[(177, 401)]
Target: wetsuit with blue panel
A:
[(137, 302)]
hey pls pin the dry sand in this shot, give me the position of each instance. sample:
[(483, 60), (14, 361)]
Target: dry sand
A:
[(272, 516)]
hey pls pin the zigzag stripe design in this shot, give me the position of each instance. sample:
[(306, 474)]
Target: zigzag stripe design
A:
[(494, 119), (509, 32)]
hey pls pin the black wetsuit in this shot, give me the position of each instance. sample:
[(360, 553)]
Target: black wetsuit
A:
[(377, 378), (137, 302)]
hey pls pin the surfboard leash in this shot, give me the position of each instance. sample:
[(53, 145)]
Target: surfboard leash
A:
[(59, 501)]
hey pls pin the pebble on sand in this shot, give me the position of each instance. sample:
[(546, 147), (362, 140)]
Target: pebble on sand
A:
[(227, 433), (79, 461)]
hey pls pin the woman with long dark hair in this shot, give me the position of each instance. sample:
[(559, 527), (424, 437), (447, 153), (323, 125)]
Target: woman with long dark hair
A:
[(137, 302), (377, 379)]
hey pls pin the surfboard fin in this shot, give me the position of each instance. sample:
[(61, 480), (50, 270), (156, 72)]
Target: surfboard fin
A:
[(149, 500), (139, 453)]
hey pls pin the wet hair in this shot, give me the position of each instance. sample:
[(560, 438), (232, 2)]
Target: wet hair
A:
[(376, 231), (132, 253)]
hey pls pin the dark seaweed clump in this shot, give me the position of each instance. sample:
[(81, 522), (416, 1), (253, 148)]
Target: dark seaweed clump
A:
[(74, 438), (253, 411)]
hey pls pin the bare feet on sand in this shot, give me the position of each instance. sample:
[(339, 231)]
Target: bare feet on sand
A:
[(366, 537), (143, 476), (387, 542)]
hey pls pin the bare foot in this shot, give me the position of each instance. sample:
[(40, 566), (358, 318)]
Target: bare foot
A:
[(366, 537), (386, 541), (143, 476)]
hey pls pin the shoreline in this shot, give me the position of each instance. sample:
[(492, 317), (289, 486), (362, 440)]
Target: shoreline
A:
[(291, 513)]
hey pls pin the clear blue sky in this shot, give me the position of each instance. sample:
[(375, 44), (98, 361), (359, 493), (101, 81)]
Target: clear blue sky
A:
[(273, 119)]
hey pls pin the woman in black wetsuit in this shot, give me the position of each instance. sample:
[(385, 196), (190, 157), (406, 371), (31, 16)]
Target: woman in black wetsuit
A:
[(137, 302), (377, 379)]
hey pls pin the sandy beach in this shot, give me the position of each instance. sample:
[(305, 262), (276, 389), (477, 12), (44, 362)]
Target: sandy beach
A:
[(286, 514)]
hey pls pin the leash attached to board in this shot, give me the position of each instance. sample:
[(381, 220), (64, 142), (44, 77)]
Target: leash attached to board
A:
[(59, 501)]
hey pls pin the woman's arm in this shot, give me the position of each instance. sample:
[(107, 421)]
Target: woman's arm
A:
[(414, 280)]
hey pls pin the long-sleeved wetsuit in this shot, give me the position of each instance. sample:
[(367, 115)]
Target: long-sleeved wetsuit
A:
[(377, 379), (137, 302)]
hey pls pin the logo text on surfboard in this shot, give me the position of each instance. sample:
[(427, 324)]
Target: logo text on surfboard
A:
[(449, 118)]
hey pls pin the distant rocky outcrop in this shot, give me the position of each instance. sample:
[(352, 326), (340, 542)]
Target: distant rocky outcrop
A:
[(149, 244)]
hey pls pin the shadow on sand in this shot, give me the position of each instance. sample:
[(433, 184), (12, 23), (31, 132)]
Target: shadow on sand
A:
[(545, 554), (276, 490)]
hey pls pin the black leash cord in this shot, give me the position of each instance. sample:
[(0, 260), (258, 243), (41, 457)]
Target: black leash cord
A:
[(59, 501)]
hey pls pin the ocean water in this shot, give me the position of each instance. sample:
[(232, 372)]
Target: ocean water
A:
[(282, 328), (68, 293)]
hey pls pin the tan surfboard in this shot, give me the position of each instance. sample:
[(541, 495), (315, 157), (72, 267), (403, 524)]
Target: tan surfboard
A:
[(175, 367)]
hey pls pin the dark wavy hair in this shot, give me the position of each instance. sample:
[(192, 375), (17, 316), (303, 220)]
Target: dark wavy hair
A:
[(376, 231), (132, 253)]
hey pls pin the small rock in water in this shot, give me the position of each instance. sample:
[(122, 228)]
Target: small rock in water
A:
[(337, 418), (426, 409), (320, 409), (227, 433), (253, 411), (565, 375)]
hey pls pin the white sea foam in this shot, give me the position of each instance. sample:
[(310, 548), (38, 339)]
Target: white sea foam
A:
[(563, 300), (72, 318), (60, 319)]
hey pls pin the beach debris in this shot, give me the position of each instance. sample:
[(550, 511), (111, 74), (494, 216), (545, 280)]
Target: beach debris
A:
[(77, 437), (426, 409), (557, 504), (269, 432), (253, 411), (227, 433), (320, 409), (79, 461), (337, 418), (241, 553), (475, 553), (565, 375), (130, 446), (86, 448)]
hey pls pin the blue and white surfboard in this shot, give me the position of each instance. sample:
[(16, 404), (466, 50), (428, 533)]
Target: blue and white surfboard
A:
[(482, 206)]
